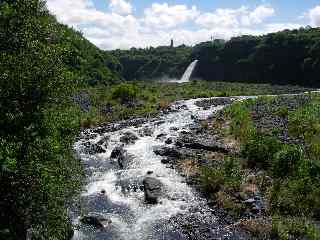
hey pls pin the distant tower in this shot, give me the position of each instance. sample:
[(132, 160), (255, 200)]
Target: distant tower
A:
[(171, 45)]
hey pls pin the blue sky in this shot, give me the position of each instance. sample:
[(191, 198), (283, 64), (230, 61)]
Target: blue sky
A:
[(112, 24)]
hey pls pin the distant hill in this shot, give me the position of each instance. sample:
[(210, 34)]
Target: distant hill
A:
[(286, 57), (153, 63)]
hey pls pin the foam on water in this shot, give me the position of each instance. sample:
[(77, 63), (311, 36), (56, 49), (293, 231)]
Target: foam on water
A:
[(131, 218)]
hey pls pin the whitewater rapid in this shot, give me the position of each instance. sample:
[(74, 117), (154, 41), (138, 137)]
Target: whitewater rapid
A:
[(122, 200)]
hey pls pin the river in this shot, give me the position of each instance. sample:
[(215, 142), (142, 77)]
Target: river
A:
[(115, 192)]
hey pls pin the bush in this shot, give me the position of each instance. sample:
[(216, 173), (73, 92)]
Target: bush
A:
[(286, 161), (230, 203), (295, 197), (241, 124), (228, 175), (212, 179), (293, 228), (259, 151), (125, 93), (282, 112)]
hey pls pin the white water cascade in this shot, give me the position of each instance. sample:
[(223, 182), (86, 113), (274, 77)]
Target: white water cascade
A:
[(114, 192), (187, 74)]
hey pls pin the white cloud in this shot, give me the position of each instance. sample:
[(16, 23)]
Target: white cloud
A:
[(118, 28), (120, 7), (233, 18), (82, 14), (166, 16), (259, 14), (314, 15)]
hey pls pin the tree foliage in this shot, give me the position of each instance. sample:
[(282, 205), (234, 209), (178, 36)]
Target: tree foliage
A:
[(151, 63), (287, 57), (37, 172)]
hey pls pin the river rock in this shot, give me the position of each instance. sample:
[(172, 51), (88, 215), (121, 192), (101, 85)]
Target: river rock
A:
[(221, 101), (98, 202), (161, 136), (88, 135), (121, 155), (92, 148), (174, 129), (104, 141), (169, 141), (167, 152), (201, 142), (152, 189), (95, 221), (128, 138), (146, 132)]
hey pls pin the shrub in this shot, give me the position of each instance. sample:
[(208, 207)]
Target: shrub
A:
[(212, 179), (295, 197), (241, 124), (227, 175), (229, 203), (125, 92), (282, 112), (259, 151), (304, 122), (293, 228), (286, 161)]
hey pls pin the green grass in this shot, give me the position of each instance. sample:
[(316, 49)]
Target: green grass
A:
[(294, 195), (144, 97)]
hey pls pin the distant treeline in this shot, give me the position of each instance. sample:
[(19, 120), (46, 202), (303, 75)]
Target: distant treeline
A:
[(151, 63), (287, 57)]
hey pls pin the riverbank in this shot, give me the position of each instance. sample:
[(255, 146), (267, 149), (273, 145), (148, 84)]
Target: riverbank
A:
[(105, 104), (132, 191), (257, 160)]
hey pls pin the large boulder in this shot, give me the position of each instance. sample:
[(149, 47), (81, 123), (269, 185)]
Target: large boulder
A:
[(104, 141), (169, 141), (92, 148), (161, 136), (146, 132), (167, 152), (128, 138), (121, 155), (202, 142), (152, 190), (95, 221)]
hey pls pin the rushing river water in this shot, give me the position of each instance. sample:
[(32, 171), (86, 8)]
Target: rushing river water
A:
[(116, 194)]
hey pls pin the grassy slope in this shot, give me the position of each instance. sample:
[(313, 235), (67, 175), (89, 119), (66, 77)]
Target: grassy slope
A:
[(279, 138)]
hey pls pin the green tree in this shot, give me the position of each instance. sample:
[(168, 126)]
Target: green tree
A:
[(37, 172)]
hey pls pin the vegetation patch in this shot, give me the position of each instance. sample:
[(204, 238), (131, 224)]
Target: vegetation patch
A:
[(284, 164)]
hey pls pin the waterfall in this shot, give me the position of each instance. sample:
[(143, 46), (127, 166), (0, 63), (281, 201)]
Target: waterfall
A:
[(187, 74)]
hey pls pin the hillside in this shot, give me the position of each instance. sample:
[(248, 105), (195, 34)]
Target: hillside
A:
[(88, 63), (287, 57), (153, 63)]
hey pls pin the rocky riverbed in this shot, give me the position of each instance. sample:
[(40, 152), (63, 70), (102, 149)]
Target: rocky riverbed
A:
[(135, 186), (143, 175)]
